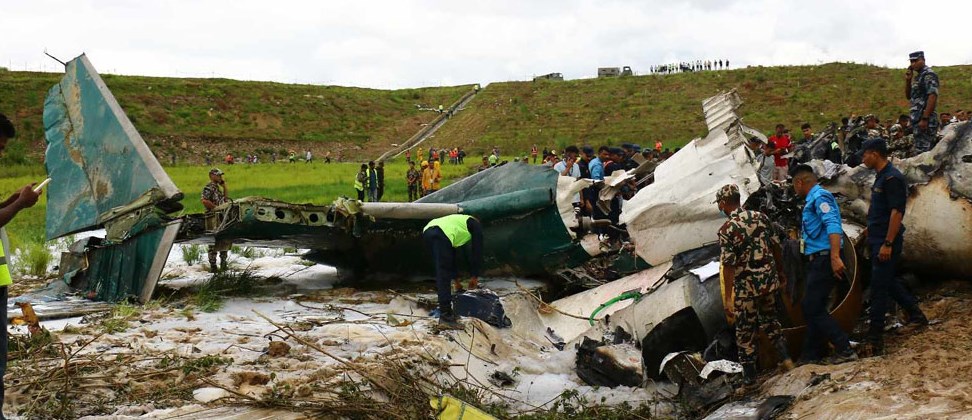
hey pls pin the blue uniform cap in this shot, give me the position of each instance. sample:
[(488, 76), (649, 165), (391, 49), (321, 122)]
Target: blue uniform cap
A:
[(627, 145), (878, 145), (916, 55), (637, 148), (616, 151)]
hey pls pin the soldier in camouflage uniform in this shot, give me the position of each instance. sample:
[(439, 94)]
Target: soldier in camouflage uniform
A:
[(213, 195), (923, 94), (900, 146), (752, 265), (874, 128)]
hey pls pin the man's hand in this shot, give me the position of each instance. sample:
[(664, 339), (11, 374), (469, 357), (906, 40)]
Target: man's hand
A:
[(474, 283), (909, 74), (457, 284), (837, 265), (884, 253), (923, 123), (26, 197)]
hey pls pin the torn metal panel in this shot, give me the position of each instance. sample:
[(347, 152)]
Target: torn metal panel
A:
[(720, 110), (676, 212), (685, 312), (95, 157), (118, 271)]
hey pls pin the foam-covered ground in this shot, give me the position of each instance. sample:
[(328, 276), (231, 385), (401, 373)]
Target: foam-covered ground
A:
[(363, 325)]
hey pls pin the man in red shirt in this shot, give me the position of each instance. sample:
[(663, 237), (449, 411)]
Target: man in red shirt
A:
[(782, 142)]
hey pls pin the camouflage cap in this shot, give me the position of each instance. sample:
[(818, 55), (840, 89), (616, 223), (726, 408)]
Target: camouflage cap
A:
[(728, 190), (869, 117), (895, 128), (215, 171)]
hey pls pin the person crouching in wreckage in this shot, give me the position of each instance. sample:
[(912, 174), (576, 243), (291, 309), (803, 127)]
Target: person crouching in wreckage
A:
[(753, 269), (214, 194), (443, 236)]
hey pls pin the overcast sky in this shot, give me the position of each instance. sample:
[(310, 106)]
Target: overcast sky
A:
[(394, 44)]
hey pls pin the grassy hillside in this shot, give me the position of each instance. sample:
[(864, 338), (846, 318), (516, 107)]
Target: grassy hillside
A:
[(643, 109), (187, 118), (222, 113)]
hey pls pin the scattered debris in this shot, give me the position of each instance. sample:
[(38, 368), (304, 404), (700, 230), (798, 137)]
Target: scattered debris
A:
[(610, 362), (501, 379), (278, 349), (209, 394)]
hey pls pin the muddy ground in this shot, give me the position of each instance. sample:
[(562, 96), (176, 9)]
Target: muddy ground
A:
[(299, 345), (927, 374)]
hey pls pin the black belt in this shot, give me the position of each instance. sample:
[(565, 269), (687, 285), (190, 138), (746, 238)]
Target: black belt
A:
[(819, 254)]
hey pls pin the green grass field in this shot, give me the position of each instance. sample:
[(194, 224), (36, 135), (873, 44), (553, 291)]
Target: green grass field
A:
[(642, 109), (315, 183)]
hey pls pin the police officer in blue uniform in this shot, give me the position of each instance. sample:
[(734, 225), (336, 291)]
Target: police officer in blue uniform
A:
[(922, 92), (885, 233), (821, 239)]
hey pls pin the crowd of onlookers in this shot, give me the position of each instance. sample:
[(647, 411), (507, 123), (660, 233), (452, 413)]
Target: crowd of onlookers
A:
[(689, 66), (252, 159), (455, 155), (839, 143)]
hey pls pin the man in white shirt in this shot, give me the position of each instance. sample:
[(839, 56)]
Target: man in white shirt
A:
[(569, 167)]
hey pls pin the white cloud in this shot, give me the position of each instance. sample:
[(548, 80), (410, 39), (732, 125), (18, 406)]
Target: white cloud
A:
[(388, 44)]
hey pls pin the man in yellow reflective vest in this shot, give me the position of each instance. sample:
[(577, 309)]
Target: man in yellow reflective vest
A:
[(443, 236), (22, 199)]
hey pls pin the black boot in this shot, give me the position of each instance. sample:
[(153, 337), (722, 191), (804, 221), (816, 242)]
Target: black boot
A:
[(916, 321), (875, 340), (785, 361), (448, 319), (749, 380), (749, 374)]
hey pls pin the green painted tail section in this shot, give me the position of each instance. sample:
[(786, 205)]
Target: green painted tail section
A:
[(103, 175), (96, 159)]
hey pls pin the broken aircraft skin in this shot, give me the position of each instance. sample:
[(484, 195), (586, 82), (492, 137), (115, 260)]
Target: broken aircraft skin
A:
[(106, 177)]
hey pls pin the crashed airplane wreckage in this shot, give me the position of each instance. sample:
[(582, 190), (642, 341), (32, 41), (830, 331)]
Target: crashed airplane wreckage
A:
[(106, 177)]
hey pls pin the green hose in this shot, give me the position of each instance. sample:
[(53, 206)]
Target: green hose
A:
[(633, 294)]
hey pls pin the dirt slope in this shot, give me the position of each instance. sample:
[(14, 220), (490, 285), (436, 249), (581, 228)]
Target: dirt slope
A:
[(924, 375)]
